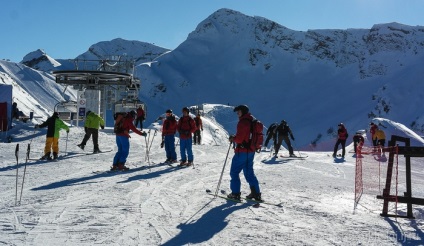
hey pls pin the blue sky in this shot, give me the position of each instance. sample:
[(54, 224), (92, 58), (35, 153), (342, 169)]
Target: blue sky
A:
[(67, 28)]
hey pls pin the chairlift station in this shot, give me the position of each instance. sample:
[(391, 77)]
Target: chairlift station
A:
[(105, 91)]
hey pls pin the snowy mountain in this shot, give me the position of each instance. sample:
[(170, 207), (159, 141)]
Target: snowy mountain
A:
[(39, 60), (313, 80), (116, 49)]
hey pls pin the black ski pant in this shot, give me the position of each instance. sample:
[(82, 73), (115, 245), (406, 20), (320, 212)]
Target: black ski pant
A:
[(280, 141), (139, 120), (343, 143), (268, 137), (197, 137), (91, 132)]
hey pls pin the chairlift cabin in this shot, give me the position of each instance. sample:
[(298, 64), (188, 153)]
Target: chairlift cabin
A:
[(67, 110), (124, 106)]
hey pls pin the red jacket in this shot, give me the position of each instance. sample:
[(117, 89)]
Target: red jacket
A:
[(140, 113), (342, 133), (128, 125), (186, 126), (169, 126), (243, 133)]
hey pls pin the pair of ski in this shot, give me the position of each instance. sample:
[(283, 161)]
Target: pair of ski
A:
[(255, 204), (294, 157)]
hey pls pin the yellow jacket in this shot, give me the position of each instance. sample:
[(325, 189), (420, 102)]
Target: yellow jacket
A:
[(379, 134)]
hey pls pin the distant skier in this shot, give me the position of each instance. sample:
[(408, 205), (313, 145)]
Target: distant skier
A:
[(91, 127), (199, 125), (282, 132), (54, 125), (270, 133), (186, 126), (373, 128), (380, 136), (141, 116), (169, 128), (341, 139), (358, 141), (243, 158), (123, 125)]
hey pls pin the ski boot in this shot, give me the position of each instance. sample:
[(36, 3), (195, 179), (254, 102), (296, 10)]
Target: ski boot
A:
[(254, 195), (122, 167), (234, 196), (55, 156), (81, 146), (46, 157)]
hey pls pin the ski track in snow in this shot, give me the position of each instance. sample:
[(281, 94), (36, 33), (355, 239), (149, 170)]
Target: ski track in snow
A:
[(65, 203)]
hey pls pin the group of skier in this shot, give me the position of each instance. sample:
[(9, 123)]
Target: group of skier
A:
[(185, 126), (377, 135), (279, 132)]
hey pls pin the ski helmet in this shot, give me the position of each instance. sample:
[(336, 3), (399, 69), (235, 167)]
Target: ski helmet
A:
[(186, 109), (169, 111), (243, 108)]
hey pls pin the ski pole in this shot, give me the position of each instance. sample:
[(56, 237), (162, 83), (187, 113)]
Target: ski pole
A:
[(222, 172), (17, 162), (297, 149), (147, 151), (147, 144), (66, 144), (23, 177), (151, 142)]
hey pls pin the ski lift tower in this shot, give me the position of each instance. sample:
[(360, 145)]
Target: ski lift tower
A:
[(90, 84)]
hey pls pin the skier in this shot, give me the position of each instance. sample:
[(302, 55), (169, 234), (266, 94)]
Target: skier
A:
[(123, 125), (54, 124), (141, 116), (358, 141), (341, 139), (91, 127), (169, 129), (282, 132), (373, 128), (186, 126), (199, 125), (270, 133), (380, 137), (243, 158)]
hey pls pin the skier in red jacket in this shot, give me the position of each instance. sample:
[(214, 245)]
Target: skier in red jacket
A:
[(243, 158), (126, 123), (186, 126), (169, 128), (341, 139)]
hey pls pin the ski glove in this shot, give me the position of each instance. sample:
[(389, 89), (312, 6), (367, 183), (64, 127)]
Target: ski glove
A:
[(103, 127), (143, 134), (231, 138), (161, 144), (67, 131), (292, 138)]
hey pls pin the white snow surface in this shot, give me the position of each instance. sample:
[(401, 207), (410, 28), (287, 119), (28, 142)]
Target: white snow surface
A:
[(69, 203)]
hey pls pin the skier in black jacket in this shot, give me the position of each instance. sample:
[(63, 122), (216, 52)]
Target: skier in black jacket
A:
[(282, 131), (270, 133)]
